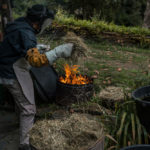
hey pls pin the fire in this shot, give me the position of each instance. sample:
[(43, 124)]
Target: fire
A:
[(71, 76)]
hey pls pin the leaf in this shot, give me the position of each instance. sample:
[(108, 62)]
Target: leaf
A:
[(86, 69), (122, 123), (145, 135), (138, 130), (110, 137), (129, 143), (94, 77), (133, 126), (119, 69), (112, 147), (125, 134), (109, 81), (126, 103), (104, 82), (96, 72)]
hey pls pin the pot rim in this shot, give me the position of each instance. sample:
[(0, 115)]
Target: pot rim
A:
[(138, 99), (77, 85), (137, 146)]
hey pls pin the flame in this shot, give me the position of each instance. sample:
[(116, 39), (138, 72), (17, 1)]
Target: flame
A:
[(71, 76)]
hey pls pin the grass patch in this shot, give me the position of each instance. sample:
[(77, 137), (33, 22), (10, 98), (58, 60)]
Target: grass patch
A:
[(101, 26), (115, 65), (96, 27)]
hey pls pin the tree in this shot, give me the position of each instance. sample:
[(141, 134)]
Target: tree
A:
[(146, 23), (6, 14), (129, 13), (122, 12), (21, 7), (87, 7)]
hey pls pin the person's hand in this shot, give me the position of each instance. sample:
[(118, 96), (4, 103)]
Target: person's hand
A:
[(62, 51), (35, 58)]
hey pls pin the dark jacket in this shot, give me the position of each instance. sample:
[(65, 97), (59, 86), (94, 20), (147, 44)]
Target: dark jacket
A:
[(19, 37)]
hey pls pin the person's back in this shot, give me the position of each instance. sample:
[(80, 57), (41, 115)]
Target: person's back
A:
[(19, 37)]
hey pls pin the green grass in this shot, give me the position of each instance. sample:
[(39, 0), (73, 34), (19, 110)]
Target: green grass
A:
[(101, 26), (106, 58), (96, 27)]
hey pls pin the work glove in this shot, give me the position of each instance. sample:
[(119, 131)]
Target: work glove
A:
[(43, 48), (36, 59), (62, 51)]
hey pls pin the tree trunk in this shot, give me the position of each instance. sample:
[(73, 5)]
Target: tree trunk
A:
[(6, 13), (84, 9), (146, 23)]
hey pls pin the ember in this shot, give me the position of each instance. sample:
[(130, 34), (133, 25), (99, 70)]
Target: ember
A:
[(72, 77)]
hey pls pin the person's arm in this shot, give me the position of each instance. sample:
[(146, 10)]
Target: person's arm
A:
[(27, 41), (36, 59)]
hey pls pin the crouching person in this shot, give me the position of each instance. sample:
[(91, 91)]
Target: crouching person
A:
[(18, 53)]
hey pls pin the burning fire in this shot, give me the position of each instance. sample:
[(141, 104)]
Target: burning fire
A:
[(71, 76)]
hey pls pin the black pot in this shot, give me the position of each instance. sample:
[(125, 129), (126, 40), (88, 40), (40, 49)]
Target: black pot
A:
[(137, 147), (68, 94), (142, 99)]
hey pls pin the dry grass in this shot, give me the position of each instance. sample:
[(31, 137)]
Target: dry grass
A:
[(76, 132), (112, 95), (80, 48)]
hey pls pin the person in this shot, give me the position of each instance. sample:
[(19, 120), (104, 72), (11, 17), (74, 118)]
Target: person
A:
[(18, 52)]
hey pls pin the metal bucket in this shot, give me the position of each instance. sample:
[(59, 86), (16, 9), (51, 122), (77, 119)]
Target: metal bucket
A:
[(68, 94)]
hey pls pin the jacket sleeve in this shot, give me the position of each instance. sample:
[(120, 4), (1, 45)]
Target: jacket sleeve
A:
[(21, 41), (27, 41)]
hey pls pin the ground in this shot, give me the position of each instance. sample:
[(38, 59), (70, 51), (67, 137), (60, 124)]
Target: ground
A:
[(125, 66), (9, 137)]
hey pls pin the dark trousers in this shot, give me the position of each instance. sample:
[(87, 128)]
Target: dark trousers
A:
[(27, 111)]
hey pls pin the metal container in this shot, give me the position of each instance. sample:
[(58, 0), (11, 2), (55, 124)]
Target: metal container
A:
[(68, 94)]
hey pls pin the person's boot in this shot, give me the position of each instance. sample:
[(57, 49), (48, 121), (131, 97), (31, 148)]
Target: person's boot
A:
[(27, 147)]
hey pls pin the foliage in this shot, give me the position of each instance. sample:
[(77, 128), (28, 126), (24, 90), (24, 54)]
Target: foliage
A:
[(96, 27), (127, 129), (20, 7), (121, 12), (130, 12)]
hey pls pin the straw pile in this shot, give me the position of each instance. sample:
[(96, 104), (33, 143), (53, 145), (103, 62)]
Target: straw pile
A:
[(80, 48), (112, 95), (77, 132)]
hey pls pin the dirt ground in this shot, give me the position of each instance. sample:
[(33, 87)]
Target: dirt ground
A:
[(9, 131)]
